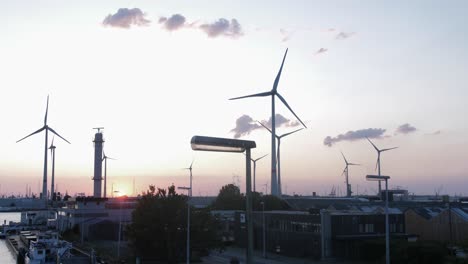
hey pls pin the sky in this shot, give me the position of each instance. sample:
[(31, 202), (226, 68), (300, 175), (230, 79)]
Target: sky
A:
[(156, 73)]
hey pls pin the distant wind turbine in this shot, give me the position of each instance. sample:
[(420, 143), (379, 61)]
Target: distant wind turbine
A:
[(255, 169), (52, 153), (105, 158), (272, 93), (190, 169), (279, 145), (46, 128), (346, 172), (377, 165)]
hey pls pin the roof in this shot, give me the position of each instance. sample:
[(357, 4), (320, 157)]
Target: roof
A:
[(201, 201), (462, 212)]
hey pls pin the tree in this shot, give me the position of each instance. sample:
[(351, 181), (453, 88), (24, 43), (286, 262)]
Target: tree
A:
[(158, 228), (271, 203), (229, 198)]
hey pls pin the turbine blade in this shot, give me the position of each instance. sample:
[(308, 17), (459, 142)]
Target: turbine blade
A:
[(344, 158), (47, 110), (287, 134), (53, 131), (376, 164), (191, 164), (252, 95), (264, 126), (343, 171), (285, 103), (35, 132), (278, 76), (51, 144), (373, 144), (355, 164), (261, 157), (388, 149), (110, 158), (251, 159)]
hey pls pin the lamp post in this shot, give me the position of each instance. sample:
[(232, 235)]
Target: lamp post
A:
[(189, 193), (263, 231), (387, 229), (120, 226), (202, 143)]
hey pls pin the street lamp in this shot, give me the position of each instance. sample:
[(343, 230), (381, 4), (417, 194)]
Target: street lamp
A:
[(233, 145), (263, 231), (189, 191), (380, 178)]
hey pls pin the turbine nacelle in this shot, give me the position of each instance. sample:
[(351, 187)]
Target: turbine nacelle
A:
[(378, 152)]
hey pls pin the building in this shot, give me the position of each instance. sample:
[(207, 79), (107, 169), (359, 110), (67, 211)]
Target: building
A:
[(291, 233), (97, 218), (438, 222), (337, 231), (345, 231)]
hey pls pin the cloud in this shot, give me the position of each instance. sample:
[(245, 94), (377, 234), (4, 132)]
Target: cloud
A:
[(124, 18), (286, 34), (435, 133), (345, 35), (244, 125), (320, 51), (355, 135), (405, 129), (172, 23), (223, 27), (281, 121)]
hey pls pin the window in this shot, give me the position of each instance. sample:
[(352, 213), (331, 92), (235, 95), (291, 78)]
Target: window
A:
[(366, 228)]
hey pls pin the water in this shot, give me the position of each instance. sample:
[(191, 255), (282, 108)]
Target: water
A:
[(6, 255)]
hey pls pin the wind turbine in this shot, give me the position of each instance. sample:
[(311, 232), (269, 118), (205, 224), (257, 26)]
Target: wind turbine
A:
[(377, 165), (279, 144), (190, 169), (105, 158), (47, 129), (346, 172), (255, 168), (52, 153), (272, 93)]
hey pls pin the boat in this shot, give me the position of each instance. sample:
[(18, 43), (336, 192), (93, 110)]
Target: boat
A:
[(47, 248)]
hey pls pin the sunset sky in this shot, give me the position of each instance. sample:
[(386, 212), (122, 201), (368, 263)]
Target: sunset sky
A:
[(155, 73)]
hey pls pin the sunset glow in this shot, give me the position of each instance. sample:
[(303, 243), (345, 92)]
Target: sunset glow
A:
[(155, 73)]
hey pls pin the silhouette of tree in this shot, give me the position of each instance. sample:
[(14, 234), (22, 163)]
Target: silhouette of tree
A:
[(158, 229), (271, 203), (230, 198)]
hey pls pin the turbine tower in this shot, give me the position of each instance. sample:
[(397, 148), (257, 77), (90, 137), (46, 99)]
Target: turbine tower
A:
[(377, 165), (52, 153), (98, 145), (255, 168), (273, 93), (47, 129), (190, 169), (105, 172), (279, 145), (346, 172)]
